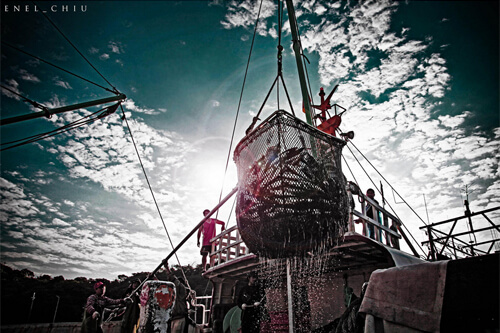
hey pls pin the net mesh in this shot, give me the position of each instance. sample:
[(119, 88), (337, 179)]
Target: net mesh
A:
[(291, 196)]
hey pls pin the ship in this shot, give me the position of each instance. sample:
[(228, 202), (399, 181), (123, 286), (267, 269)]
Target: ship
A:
[(298, 228), (315, 253)]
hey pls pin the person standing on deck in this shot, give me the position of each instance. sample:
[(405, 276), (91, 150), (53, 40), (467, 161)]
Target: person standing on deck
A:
[(208, 230), (250, 301), (94, 307), (370, 193)]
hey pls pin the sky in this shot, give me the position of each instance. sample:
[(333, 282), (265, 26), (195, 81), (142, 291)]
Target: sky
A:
[(419, 80)]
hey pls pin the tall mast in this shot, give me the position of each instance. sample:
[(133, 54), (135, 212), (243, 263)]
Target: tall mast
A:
[(298, 58)]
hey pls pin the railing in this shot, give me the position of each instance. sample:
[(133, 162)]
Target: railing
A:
[(227, 246), (452, 242), (203, 303), (386, 227)]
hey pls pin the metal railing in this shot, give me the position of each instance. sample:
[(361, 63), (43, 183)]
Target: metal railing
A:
[(228, 245), (454, 244), (203, 303)]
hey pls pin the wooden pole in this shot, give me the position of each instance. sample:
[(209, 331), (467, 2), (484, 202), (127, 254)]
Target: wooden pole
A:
[(223, 201), (291, 327)]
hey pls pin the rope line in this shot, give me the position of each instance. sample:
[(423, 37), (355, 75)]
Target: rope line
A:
[(76, 49), (58, 67), (287, 96), (26, 99), (239, 103), (152, 192), (389, 184), (393, 211), (348, 167), (66, 128)]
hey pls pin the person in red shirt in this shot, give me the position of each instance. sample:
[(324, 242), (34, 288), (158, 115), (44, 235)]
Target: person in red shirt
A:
[(208, 230)]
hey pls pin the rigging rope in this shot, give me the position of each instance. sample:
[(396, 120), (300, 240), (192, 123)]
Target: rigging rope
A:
[(239, 103), (131, 135), (32, 102), (68, 127), (152, 192), (76, 49), (352, 174), (231, 211), (60, 68), (391, 188), (388, 183)]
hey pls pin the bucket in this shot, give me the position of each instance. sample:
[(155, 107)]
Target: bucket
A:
[(157, 301)]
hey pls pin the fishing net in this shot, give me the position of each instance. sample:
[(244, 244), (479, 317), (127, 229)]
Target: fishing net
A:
[(291, 196)]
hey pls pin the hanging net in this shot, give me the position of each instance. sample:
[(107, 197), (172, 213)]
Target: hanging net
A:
[(291, 190)]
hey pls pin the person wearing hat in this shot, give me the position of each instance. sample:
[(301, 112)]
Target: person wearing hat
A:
[(94, 307), (131, 316), (179, 311), (250, 301)]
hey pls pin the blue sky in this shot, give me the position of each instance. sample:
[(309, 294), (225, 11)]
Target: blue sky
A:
[(419, 80)]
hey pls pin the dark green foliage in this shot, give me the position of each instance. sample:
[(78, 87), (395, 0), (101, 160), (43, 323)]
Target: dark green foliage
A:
[(17, 288)]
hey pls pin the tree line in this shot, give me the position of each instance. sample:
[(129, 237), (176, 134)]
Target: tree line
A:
[(26, 298)]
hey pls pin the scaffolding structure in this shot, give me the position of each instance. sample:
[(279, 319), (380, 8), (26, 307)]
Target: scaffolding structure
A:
[(458, 244)]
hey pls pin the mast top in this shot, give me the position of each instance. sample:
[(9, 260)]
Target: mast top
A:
[(297, 49)]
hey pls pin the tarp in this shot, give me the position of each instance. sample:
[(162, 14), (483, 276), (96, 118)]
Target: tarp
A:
[(411, 296)]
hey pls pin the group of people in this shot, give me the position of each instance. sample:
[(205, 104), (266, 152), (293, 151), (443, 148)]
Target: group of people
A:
[(97, 302), (250, 298)]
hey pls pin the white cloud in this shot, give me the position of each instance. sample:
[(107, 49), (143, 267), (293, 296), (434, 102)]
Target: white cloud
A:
[(24, 75), (15, 201), (129, 104), (69, 203), (244, 14), (453, 122), (115, 47), (59, 222), (13, 91), (60, 83)]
